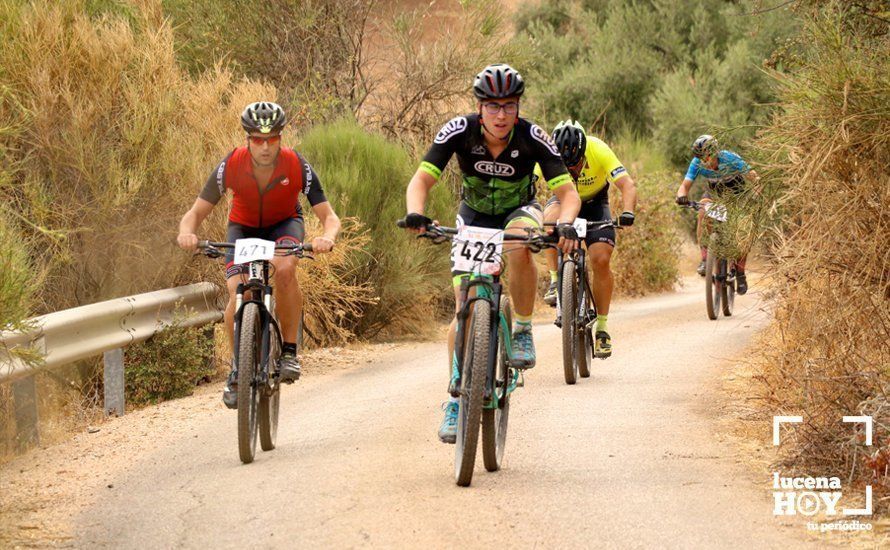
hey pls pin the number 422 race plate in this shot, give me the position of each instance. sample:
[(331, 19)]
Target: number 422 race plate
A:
[(478, 250)]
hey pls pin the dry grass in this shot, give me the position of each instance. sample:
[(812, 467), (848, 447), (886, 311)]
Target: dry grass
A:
[(828, 152)]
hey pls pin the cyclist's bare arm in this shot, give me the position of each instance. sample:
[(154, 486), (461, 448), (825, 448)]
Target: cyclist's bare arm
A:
[(569, 203), (188, 226), (628, 189), (417, 193), (569, 206), (683, 190), (331, 224)]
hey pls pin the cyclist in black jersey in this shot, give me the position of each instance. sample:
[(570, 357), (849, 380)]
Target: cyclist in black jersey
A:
[(497, 151)]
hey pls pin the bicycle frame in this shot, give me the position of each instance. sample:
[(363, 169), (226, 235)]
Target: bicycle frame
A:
[(579, 258), (258, 284), (488, 289)]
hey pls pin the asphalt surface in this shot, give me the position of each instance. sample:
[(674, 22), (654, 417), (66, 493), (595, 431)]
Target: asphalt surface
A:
[(632, 457)]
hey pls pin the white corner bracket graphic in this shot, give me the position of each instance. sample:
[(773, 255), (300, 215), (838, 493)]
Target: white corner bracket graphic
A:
[(778, 421), (868, 426)]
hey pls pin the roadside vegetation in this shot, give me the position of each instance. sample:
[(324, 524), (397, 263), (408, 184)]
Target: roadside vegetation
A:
[(826, 154)]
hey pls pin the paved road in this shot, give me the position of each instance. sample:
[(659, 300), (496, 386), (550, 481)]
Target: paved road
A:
[(631, 457)]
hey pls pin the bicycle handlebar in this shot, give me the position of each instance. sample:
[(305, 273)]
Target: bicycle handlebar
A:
[(434, 231), (295, 248)]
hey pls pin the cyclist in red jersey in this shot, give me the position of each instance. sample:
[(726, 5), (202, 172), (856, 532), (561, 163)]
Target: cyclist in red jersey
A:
[(266, 180)]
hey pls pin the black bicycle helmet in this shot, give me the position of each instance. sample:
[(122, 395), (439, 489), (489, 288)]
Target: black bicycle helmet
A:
[(571, 140), (497, 82), (264, 117), (704, 144)]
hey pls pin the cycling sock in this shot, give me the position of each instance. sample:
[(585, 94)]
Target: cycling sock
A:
[(289, 347), (453, 400), (522, 323), (601, 322), (553, 276)]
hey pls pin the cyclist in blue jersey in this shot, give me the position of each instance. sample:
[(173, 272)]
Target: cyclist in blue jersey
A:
[(725, 172)]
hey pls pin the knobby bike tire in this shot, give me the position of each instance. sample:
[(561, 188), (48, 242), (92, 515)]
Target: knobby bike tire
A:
[(473, 372), (494, 421), (569, 314), (270, 399), (727, 289), (248, 394), (712, 285)]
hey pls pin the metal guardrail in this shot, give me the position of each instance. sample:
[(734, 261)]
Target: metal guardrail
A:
[(104, 327), (67, 336)]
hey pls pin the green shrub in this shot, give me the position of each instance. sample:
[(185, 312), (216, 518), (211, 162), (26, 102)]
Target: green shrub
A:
[(168, 365), (365, 176), (646, 258)]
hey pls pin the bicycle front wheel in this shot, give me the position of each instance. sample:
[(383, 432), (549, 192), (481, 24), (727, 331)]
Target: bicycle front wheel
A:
[(494, 421), (473, 371), (248, 393), (569, 303)]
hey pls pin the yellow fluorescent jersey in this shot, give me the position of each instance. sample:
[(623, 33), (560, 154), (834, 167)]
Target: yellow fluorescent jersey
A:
[(601, 169)]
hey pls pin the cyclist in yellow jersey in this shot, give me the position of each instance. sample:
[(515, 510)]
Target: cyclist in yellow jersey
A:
[(593, 166)]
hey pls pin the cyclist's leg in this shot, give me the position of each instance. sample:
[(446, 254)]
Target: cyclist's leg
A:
[(521, 266), (523, 281), (600, 244), (288, 297), (701, 232), (551, 215)]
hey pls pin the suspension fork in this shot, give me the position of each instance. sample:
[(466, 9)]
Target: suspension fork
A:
[(463, 313), (494, 321)]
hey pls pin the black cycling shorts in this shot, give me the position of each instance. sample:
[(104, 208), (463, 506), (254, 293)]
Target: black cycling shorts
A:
[(594, 211), (289, 231)]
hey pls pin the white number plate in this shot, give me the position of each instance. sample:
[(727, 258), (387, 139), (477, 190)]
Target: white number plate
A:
[(716, 211), (580, 227), (478, 250), (249, 250)]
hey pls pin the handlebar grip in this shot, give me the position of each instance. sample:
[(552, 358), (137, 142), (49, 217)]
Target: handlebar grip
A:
[(203, 244), (307, 247)]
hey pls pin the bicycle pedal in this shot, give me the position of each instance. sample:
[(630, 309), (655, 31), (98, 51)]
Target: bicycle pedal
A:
[(521, 381), (558, 322)]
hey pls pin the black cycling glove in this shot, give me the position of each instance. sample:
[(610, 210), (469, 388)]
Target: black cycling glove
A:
[(417, 221), (626, 219), (567, 231), (683, 201)]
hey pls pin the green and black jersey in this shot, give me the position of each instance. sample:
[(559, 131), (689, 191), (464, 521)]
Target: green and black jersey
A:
[(496, 185)]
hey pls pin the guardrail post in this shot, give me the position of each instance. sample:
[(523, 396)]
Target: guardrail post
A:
[(113, 374), (24, 397)]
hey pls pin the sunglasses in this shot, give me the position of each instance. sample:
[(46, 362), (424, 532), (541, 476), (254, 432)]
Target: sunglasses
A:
[(259, 141), (493, 108)]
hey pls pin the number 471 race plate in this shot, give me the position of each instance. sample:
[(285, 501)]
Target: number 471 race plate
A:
[(478, 250)]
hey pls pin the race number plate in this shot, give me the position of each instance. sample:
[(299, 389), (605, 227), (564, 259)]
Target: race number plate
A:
[(580, 227), (249, 250), (716, 211), (478, 250)]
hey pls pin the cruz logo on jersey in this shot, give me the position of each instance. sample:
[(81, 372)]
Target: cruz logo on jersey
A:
[(454, 126), (541, 136), (494, 168)]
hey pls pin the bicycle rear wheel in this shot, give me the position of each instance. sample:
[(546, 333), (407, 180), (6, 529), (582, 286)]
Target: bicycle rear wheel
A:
[(728, 288), (494, 421), (569, 303), (248, 393), (585, 335), (473, 372), (270, 397), (712, 285)]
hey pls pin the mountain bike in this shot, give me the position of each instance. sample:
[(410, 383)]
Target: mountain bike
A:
[(257, 340), (575, 306), (484, 372), (720, 272)]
